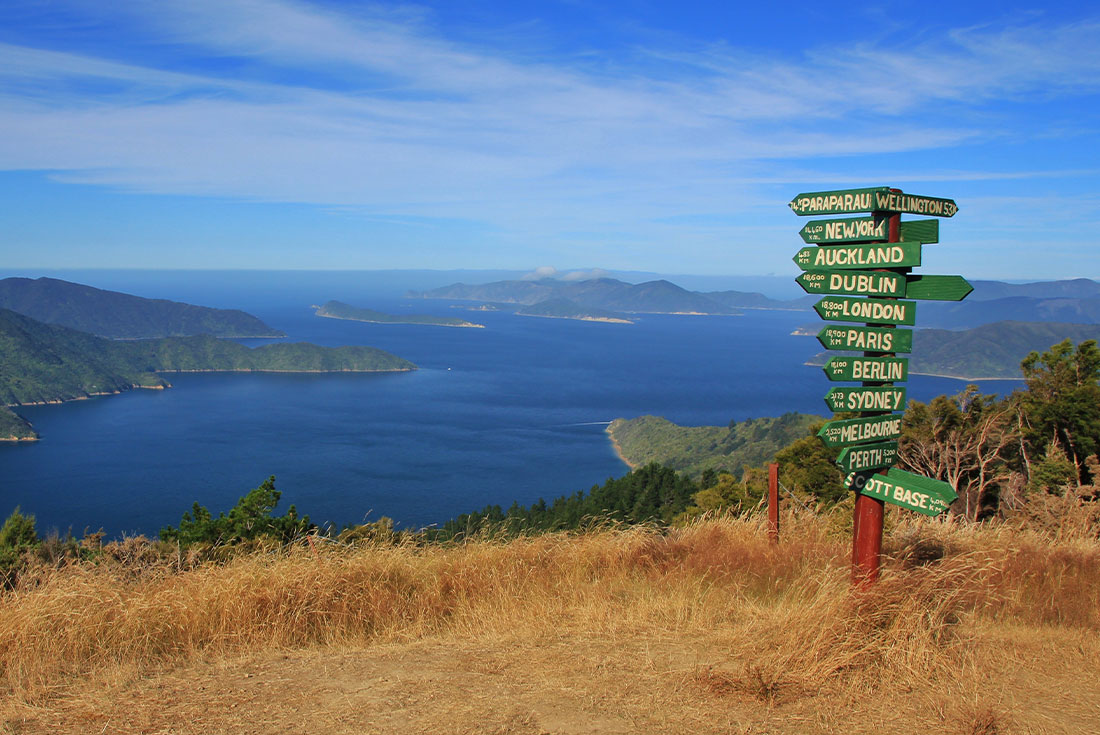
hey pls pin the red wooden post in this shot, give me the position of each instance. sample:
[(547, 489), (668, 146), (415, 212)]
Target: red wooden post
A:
[(773, 502), (868, 515)]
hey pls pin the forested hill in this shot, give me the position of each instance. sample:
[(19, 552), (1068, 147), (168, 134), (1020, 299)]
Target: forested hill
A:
[(45, 363), (989, 351), (122, 316), (14, 427), (695, 449), (48, 363)]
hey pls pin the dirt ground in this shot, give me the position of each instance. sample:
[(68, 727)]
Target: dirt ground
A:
[(572, 685)]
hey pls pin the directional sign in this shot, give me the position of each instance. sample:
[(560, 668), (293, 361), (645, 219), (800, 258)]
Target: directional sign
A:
[(877, 369), (874, 311), (868, 456), (845, 257), (852, 229), (876, 199), (920, 230), (893, 201), (860, 431), (868, 229), (853, 283), (922, 494), (845, 201), (866, 398), (937, 288), (865, 339)]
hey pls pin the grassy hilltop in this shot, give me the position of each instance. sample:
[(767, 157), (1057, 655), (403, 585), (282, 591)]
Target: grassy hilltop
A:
[(705, 628)]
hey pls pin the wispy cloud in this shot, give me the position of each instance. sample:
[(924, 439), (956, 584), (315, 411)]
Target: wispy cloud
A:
[(379, 110)]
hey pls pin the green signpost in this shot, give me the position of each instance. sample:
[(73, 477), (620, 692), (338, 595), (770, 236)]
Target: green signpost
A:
[(866, 398), (853, 283), (937, 288), (873, 311), (868, 456), (868, 229), (872, 369), (904, 489), (863, 264), (875, 199), (859, 255), (859, 431), (867, 339)]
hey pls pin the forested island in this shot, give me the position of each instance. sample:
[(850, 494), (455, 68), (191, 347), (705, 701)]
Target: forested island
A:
[(340, 310), (566, 309), (46, 363), (120, 315), (651, 297)]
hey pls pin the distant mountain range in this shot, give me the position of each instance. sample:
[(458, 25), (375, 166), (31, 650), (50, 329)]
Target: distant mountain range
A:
[(1073, 301), (123, 316), (1076, 288), (651, 297)]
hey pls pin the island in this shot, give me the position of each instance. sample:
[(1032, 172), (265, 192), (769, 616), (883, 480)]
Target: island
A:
[(46, 363), (566, 309), (117, 315), (480, 307), (651, 297), (340, 310)]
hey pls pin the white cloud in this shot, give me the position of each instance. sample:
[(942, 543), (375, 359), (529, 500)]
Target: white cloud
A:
[(380, 111)]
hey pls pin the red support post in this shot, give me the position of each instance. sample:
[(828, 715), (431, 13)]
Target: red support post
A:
[(868, 515), (773, 502)]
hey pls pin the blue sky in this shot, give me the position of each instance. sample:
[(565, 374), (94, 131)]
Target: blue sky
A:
[(634, 135)]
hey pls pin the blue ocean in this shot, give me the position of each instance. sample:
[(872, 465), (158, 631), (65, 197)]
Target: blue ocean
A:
[(512, 412)]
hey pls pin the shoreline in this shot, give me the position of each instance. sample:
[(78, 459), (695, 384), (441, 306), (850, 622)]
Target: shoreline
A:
[(610, 431), (135, 386), (600, 319), (215, 336), (271, 370)]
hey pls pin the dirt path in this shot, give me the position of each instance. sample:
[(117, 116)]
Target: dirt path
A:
[(568, 686)]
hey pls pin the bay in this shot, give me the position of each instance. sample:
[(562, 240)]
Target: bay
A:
[(512, 412)]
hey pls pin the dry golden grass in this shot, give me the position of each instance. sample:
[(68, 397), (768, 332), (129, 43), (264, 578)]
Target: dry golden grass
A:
[(707, 624)]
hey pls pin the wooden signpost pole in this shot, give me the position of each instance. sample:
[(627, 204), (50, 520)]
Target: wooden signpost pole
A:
[(869, 512)]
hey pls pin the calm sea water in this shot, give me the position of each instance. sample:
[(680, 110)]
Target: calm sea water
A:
[(513, 412)]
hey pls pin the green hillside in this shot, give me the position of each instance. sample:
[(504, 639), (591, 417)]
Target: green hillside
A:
[(45, 363), (695, 449), (205, 353), (14, 427), (989, 351), (122, 316), (992, 350)]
